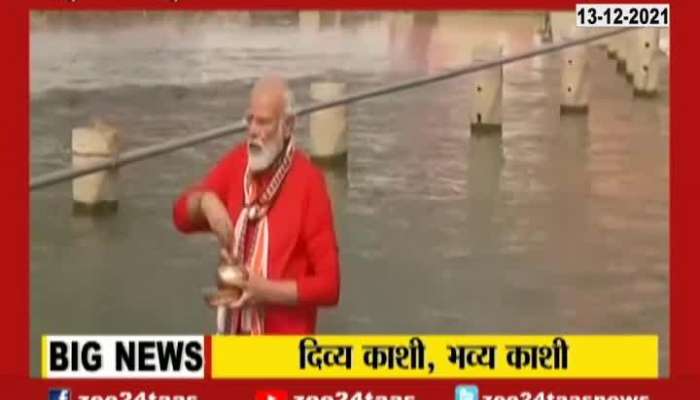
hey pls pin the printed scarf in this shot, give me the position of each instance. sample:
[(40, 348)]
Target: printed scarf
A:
[(255, 209)]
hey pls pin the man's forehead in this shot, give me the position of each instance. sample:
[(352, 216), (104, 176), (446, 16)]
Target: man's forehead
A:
[(270, 86), (264, 103), (272, 83), (269, 93)]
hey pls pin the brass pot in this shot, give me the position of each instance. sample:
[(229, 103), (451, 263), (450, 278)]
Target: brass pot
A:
[(227, 275), (227, 291)]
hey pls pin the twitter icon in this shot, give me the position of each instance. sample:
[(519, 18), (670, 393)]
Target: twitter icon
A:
[(466, 392)]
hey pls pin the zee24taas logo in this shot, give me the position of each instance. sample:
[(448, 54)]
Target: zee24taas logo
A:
[(59, 394)]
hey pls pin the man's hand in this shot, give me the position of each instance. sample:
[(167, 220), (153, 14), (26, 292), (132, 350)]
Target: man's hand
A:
[(220, 297), (258, 290), (218, 218), (239, 290), (253, 291), (233, 298), (225, 258)]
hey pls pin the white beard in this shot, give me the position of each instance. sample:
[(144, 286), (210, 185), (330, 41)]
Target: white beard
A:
[(263, 158)]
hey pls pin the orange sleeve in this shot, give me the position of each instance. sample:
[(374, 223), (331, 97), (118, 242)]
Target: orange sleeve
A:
[(216, 181), (322, 286)]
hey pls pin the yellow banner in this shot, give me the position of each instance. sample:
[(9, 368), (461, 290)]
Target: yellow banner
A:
[(435, 356)]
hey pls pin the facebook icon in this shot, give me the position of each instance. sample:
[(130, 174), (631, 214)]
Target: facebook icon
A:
[(59, 394), (467, 392)]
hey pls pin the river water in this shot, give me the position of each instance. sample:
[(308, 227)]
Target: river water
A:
[(559, 225)]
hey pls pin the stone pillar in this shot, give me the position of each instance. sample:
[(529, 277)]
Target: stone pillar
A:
[(649, 57), (309, 21), (487, 92), (613, 46), (328, 129), (622, 52), (632, 55), (575, 76), (96, 192)]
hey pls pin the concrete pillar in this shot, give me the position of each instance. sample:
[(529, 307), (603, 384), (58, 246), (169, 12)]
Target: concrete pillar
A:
[(664, 41), (328, 129), (487, 91), (338, 19), (562, 22), (622, 52), (96, 192), (404, 21), (649, 57), (244, 18), (632, 55), (546, 30), (328, 19), (613, 47), (310, 21), (575, 76)]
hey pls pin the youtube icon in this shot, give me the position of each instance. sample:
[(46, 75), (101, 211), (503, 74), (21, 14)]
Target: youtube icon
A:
[(271, 395)]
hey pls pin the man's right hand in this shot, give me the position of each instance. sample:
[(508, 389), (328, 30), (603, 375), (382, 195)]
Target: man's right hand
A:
[(218, 218)]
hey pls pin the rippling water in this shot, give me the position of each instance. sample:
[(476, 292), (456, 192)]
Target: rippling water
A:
[(558, 225)]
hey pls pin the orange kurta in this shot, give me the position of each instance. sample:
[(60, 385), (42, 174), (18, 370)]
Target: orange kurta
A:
[(303, 245)]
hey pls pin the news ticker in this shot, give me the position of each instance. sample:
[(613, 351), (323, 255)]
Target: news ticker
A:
[(351, 356)]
